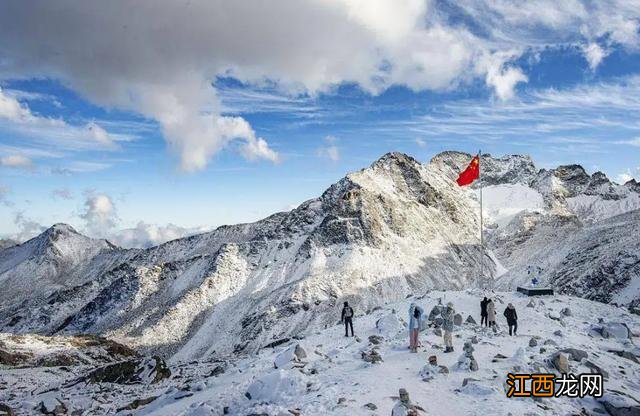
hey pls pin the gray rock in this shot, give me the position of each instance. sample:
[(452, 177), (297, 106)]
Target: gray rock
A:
[(560, 362), (533, 342), (550, 342), (433, 360), (5, 410), (531, 304), (626, 354), (342, 400), (467, 380), (435, 312), (52, 407), (147, 370), (615, 330), (371, 406), (438, 322), (575, 354), (372, 356), (596, 368), (619, 404), (470, 320), (474, 339), (300, 353), (438, 332), (557, 333), (566, 312), (457, 319), (473, 366), (443, 369), (375, 339)]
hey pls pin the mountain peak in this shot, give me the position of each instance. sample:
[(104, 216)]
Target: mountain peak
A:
[(395, 158)]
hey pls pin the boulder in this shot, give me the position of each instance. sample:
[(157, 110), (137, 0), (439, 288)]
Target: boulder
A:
[(560, 362), (531, 304), (457, 319), (291, 357), (596, 369), (474, 339), (371, 406), (470, 320), (52, 406), (389, 325), (626, 354), (557, 333), (575, 354), (533, 342), (615, 330), (435, 312), (566, 312), (617, 403), (146, 370), (277, 386), (5, 410)]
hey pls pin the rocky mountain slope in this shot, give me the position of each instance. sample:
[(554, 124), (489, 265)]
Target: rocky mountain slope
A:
[(393, 229)]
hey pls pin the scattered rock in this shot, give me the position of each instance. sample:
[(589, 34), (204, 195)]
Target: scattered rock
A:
[(276, 385), (372, 356), (550, 342), (300, 353), (474, 339), (342, 400), (500, 356), (470, 320), (566, 312), (146, 370), (557, 333), (375, 339), (443, 369), (560, 362), (533, 342), (457, 319), (371, 406), (433, 360), (428, 372), (531, 304), (438, 332), (467, 361), (404, 407)]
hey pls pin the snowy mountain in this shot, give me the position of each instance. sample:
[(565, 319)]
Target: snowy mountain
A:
[(393, 229)]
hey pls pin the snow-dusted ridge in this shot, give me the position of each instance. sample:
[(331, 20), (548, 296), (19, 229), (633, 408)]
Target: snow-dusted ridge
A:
[(393, 229)]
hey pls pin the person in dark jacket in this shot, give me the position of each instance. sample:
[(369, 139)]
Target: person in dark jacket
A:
[(483, 311), (512, 319), (347, 319)]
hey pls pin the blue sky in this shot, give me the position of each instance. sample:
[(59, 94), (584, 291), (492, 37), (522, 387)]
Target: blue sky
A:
[(118, 142)]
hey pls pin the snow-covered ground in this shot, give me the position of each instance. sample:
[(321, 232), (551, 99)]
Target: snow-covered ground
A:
[(332, 377)]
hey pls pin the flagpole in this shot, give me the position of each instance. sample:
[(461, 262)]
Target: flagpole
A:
[(481, 227)]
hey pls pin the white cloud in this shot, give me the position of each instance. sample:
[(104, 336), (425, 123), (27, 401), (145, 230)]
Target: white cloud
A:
[(594, 54), (62, 193), (624, 177), (145, 235), (4, 193), (420, 142), (329, 150), (16, 161), (27, 227), (631, 142), (99, 214)]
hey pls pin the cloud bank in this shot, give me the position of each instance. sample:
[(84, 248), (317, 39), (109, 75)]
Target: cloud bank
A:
[(159, 58)]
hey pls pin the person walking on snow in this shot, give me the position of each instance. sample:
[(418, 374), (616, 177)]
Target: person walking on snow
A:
[(491, 313), (415, 316), (347, 319), (483, 311), (447, 326), (512, 318)]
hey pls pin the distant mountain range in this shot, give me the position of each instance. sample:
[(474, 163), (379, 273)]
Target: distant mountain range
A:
[(396, 228)]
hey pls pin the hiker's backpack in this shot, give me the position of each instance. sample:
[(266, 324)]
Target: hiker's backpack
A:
[(416, 313), (348, 312)]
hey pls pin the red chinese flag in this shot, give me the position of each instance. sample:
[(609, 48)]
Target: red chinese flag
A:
[(471, 173)]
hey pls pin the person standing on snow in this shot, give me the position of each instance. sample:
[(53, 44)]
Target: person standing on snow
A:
[(512, 318), (447, 326), (491, 313), (415, 316), (347, 319), (483, 311)]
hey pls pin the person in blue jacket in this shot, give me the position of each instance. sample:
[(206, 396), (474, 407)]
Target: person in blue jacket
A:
[(415, 316)]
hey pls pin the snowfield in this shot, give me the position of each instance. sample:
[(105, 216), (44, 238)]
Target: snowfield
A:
[(332, 378)]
